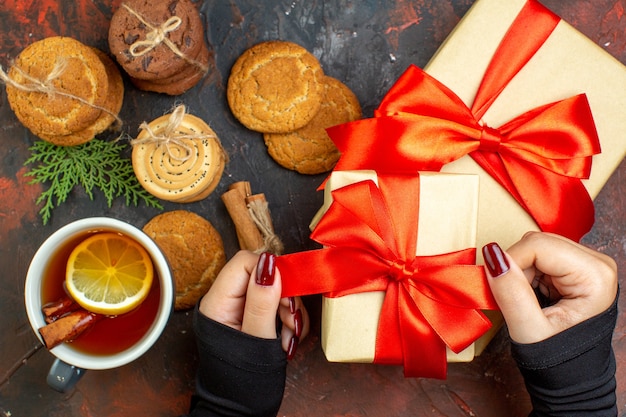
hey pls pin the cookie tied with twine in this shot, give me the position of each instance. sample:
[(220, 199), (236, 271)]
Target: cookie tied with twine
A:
[(160, 45), (63, 91), (178, 157)]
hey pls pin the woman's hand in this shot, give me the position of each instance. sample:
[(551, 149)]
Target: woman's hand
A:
[(576, 282), (246, 296)]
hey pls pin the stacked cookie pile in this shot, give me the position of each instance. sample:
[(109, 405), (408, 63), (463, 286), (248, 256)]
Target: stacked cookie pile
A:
[(178, 157), (63, 91), (160, 44), (280, 89)]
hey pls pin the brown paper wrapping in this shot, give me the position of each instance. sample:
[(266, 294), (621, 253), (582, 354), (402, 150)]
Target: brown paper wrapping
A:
[(447, 222), (566, 65)]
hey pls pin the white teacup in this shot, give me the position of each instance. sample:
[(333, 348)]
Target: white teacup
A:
[(71, 363)]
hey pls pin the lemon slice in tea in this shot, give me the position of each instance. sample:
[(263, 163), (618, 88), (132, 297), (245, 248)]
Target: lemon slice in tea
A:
[(109, 274)]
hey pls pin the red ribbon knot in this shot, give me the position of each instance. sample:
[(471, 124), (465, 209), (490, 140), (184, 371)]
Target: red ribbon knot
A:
[(490, 139), (400, 270)]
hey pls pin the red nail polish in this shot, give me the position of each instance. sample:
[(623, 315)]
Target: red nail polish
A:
[(495, 261), (297, 323), (265, 269), (292, 305), (293, 345)]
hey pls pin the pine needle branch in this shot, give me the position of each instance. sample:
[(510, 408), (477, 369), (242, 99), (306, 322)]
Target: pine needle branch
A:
[(95, 164)]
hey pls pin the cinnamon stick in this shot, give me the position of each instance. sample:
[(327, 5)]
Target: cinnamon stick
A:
[(248, 234), (56, 309), (251, 215), (258, 209), (243, 187), (68, 327)]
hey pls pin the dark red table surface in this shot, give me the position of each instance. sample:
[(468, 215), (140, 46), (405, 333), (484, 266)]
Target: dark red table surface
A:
[(367, 45)]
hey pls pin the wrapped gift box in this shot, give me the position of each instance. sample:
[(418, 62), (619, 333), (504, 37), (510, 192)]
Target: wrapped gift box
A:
[(448, 207), (565, 65)]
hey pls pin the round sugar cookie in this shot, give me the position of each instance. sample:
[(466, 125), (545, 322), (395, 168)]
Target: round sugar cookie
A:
[(115, 96), (113, 104), (275, 86), (309, 150), (185, 169), (77, 81), (193, 249)]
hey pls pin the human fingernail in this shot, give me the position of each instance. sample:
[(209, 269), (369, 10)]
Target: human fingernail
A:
[(495, 261), (292, 305), (293, 345), (265, 269), (297, 323)]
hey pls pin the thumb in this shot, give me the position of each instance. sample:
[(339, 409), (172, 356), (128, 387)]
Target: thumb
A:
[(262, 299), (515, 296)]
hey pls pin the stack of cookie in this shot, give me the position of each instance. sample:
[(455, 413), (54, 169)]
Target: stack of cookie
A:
[(160, 44), (280, 89), (178, 157), (64, 91)]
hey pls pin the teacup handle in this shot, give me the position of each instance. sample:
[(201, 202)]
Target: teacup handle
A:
[(62, 377)]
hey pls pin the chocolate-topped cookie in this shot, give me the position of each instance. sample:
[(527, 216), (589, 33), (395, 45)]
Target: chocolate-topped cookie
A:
[(155, 40), (178, 83)]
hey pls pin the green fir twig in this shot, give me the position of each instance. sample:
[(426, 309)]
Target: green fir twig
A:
[(95, 164)]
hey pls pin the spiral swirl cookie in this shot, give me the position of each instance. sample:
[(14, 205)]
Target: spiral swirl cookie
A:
[(275, 87), (309, 150), (57, 86), (178, 158)]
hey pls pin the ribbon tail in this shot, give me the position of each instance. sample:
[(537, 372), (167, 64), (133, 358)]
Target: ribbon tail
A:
[(425, 352), (415, 141), (557, 203), (293, 268), (334, 270), (414, 343), (531, 28), (473, 324), (425, 357), (389, 348)]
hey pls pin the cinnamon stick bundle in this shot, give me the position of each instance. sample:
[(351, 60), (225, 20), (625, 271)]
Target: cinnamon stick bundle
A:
[(56, 309), (251, 216), (68, 327), (66, 321)]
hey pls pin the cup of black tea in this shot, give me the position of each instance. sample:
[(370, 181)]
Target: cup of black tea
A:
[(80, 338)]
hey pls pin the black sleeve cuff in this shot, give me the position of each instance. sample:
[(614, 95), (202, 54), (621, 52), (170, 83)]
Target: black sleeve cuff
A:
[(239, 374), (572, 373)]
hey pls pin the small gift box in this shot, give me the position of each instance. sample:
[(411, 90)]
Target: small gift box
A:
[(518, 97), (397, 270)]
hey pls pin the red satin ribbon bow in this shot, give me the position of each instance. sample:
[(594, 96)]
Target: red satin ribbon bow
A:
[(539, 157), (430, 302)]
